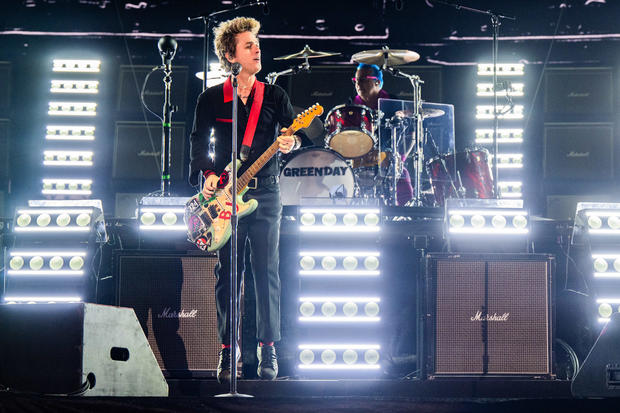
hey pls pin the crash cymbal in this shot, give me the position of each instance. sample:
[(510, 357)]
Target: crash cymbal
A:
[(426, 113), (395, 57), (306, 53)]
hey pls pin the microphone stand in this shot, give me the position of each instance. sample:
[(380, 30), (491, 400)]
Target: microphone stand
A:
[(273, 76), (495, 22), (232, 310), (166, 143), (418, 156), (208, 19)]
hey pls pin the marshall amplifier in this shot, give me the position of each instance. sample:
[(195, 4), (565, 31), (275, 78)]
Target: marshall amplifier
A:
[(578, 151), (579, 91), (487, 315), (131, 79), (173, 296), (137, 151)]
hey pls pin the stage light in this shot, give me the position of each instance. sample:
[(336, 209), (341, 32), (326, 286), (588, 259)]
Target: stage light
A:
[(307, 309), (328, 356), (349, 356), (306, 356), (339, 220), (332, 267), (328, 309), (67, 186), (371, 356), (76, 65), (61, 222), (55, 265), (307, 263), (75, 86), (510, 189), (371, 309), (340, 319), (503, 112), (339, 273), (503, 69), (61, 108), (508, 136), (328, 263), (349, 309), (68, 158), (513, 90), (349, 263), (70, 133), (41, 299), (162, 214)]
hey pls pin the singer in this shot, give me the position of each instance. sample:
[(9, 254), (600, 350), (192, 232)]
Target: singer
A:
[(264, 111)]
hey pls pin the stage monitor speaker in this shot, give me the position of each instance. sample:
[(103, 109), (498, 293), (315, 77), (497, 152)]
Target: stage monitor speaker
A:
[(579, 91), (137, 151), (578, 151), (600, 374), (331, 85), (84, 349), (173, 296), (487, 315), (131, 79)]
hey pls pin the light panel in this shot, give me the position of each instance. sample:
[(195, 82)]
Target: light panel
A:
[(68, 158), (508, 136), (90, 87), (70, 133), (486, 90), (61, 108), (503, 69), (503, 112), (76, 65), (67, 186)]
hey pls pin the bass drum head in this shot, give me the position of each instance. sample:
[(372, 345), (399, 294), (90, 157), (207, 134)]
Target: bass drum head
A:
[(315, 173)]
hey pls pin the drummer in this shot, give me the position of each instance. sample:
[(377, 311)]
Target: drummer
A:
[(368, 82)]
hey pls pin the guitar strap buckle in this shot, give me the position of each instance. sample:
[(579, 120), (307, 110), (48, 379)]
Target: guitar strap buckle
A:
[(253, 184)]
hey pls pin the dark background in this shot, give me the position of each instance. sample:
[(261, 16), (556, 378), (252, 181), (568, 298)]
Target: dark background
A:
[(124, 34)]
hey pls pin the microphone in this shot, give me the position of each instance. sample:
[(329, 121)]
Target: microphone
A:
[(167, 49), (236, 68)]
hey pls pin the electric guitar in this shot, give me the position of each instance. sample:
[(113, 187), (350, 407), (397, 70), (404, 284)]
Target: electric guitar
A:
[(208, 220)]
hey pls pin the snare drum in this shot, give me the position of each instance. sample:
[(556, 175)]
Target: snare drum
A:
[(473, 170), (350, 130), (315, 173)]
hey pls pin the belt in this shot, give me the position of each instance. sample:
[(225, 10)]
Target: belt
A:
[(261, 181)]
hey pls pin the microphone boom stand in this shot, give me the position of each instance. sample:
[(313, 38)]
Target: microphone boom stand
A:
[(495, 18), (166, 143)]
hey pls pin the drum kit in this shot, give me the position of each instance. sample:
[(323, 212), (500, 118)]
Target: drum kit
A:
[(354, 164)]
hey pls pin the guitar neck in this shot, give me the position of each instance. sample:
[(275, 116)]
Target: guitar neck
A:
[(243, 181)]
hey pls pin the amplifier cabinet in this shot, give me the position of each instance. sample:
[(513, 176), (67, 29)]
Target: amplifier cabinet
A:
[(173, 295), (487, 315)]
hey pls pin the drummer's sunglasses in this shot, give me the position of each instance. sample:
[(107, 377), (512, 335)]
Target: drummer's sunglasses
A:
[(356, 80)]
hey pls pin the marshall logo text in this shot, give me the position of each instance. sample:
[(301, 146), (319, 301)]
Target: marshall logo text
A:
[(489, 317), (168, 313)]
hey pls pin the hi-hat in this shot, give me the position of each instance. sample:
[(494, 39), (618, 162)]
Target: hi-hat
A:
[(395, 57), (306, 53)]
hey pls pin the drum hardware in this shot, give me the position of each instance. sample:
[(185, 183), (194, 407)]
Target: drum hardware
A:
[(306, 53)]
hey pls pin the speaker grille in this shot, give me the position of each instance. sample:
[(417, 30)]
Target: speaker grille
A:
[(491, 317), (170, 294)]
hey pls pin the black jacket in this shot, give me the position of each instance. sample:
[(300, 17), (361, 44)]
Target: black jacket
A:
[(212, 112)]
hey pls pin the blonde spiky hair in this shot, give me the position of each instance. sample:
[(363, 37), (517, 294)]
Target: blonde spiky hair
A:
[(226, 37)]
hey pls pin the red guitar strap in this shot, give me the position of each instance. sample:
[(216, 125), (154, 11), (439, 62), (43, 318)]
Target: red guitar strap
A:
[(259, 92)]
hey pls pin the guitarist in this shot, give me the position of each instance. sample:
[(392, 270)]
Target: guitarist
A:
[(263, 110)]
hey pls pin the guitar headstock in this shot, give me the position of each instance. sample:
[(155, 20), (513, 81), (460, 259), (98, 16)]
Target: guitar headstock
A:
[(306, 117)]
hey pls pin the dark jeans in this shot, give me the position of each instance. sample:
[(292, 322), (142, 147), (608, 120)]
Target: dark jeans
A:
[(262, 229)]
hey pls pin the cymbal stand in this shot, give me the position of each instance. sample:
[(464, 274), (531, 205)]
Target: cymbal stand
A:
[(418, 154), (273, 76)]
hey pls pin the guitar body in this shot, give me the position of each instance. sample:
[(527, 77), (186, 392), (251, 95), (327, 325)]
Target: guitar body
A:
[(208, 220)]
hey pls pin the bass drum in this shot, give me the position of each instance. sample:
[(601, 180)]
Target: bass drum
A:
[(315, 173)]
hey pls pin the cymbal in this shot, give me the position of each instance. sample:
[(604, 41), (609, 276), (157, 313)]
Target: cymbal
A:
[(306, 53), (395, 57), (426, 113)]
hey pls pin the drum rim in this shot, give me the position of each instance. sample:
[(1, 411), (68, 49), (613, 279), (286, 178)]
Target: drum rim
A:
[(372, 111), (313, 148)]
